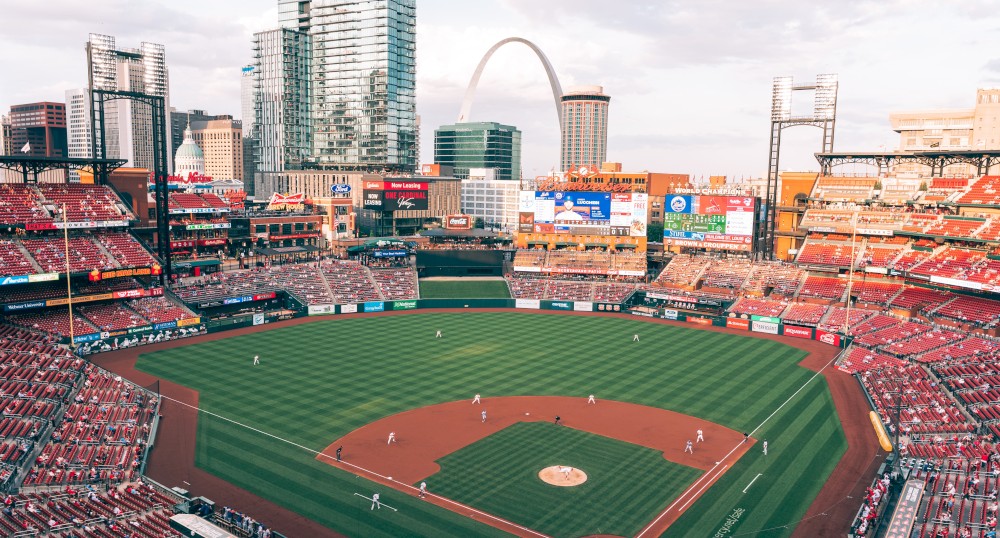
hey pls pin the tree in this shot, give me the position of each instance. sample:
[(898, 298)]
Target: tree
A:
[(654, 232), (923, 185), (479, 223)]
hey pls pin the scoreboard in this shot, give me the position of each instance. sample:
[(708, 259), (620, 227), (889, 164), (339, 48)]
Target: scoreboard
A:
[(712, 222)]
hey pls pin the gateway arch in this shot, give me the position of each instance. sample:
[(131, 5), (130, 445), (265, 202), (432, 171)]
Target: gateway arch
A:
[(470, 92)]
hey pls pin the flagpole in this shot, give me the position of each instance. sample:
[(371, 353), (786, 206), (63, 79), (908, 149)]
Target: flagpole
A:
[(69, 289)]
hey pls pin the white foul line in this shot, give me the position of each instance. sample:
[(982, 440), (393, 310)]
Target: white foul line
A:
[(712, 470), (373, 473), (752, 481), (372, 499)]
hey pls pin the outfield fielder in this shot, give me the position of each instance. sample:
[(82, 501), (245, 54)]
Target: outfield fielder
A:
[(635, 337), (765, 448), (438, 335), (256, 360), (689, 447), (392, 438), (700, 437), (375, 501), (591, 399), (476, 399)]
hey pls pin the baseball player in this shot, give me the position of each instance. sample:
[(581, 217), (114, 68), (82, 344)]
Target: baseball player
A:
[(256, 360), (591, 399), (701, 436), (765, 448), (484, 415), (476, 399), (375, 502), (438, 334), (565, 471), (423, 489), (339, 450), (635, 337), (689, 447), (392, 438)]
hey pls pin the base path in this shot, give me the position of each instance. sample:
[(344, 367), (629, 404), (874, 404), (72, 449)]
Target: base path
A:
[(426, 434)]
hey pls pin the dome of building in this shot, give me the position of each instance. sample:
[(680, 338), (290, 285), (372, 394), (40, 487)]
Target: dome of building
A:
[(189, 157)]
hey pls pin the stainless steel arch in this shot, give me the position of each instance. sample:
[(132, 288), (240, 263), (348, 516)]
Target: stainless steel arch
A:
[(470, 92)]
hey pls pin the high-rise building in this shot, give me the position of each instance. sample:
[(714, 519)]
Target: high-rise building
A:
[(493, 200), (584, 127), (362, 81), (78, 127), (38, 129), (181, 119), (247, 117), (221, 140), (281, 133), (127, 123), (479, 145), (5, 148)]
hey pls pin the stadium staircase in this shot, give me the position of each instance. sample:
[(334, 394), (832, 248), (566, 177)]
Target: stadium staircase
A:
[(104, 250), (29, 257), (802, 284), (416, 285), (372, 281)]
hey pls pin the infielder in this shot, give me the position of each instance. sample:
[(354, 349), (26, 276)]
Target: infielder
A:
[(392, 438), (423, 490), (484, 415), (701, 436), (375, 501), (689, 447), (438, 335), (256, 360), (765, 448), (476, 399), (591, 399), (635, 337)]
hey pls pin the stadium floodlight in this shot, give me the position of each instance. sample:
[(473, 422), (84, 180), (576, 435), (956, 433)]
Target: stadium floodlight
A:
[(781, 99)]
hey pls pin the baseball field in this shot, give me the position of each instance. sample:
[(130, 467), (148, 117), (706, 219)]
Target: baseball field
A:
[(463, 289), (262, 427)]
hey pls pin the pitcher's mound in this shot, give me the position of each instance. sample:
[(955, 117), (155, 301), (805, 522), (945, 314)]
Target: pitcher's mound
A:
[(561, 475)]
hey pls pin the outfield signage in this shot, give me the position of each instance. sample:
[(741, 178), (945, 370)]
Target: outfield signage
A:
[(669, 313), (374, 306), (153, 270), (348, 309), (766, 319), (738, 323), (208, 226), (404, 305), (608, 307), (765, 327), (389, 253), (683, 298), (583, 306), (798, 332), (247, 298), (528, 303), (561, 305), (698, 320), (828, 338), (320, 309), (26, 305)]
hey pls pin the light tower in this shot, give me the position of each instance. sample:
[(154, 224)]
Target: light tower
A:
[(824, 116)]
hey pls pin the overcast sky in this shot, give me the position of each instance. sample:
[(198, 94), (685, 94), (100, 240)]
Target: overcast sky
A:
[(690, 81)]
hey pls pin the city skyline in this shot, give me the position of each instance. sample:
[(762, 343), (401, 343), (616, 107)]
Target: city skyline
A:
[(691, 81)]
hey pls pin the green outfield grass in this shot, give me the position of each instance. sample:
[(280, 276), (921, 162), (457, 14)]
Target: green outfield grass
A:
[(464, 289), (321, 380), (499, 474)]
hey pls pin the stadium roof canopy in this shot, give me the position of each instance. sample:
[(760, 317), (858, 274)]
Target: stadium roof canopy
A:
[(471, 233), (30, 166), (936, 159)]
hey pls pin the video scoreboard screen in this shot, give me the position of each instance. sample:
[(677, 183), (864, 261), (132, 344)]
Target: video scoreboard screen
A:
[(583, 213), (714, 222)]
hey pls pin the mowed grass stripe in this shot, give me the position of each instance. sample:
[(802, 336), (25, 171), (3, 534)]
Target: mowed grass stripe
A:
[(319, 381)]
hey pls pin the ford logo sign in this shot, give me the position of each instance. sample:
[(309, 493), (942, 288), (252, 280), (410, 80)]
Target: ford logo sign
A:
[(340, 188)]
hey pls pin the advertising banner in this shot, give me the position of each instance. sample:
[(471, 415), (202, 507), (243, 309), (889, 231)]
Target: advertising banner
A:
[(583, 306), (766, 319), (43, 277), (320, 309), (374, 306), (608, 307), (737, 323), (528, 303), (258, 319), (27, 305), (348, 309), (798, 332), (669, 313), (164, 325), (828, 338), (583, 213), (458, 222), (390, 253), (8, 280), (81, 299), (404, 305), (395, 195), (764, 327), (561, 305), (208, 226), (188, 322), (721, 222), (697, 320)]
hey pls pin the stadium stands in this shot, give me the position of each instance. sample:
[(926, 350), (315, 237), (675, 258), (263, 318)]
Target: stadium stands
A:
[(350, 282), (83, 202), (111, 316), (976, 310), (875, 292), (14, 261), (824, 287), (125, 249), (985, 191), (814, 253), (682, 271), (19, 204), (727, 274), (844, 189), (834, 321), (804, 314), (159, 309), (396, 283), (758, 307), (860, 360), (84, 254)]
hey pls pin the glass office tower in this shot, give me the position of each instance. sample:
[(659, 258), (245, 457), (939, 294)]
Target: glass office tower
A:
[(479, 145)]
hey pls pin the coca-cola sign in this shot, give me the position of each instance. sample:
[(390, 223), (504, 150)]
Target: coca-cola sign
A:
[(458, 222)]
